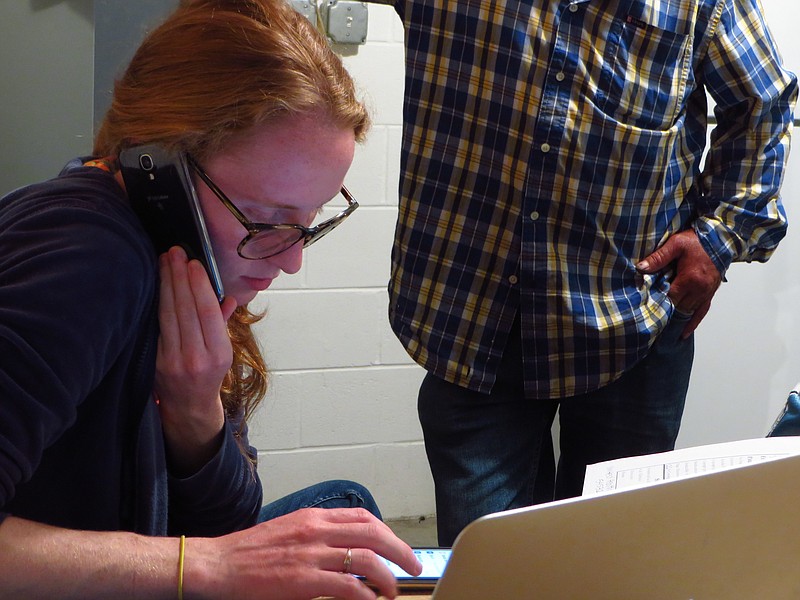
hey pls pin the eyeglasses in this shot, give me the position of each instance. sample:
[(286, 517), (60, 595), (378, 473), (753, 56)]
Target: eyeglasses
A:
[(265, 239)]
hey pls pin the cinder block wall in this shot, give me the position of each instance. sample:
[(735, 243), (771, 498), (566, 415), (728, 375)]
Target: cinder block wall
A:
[(343, 395), (342, 401)]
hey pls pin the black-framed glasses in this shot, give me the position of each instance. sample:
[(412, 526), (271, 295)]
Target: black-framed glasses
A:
[(266, 239)]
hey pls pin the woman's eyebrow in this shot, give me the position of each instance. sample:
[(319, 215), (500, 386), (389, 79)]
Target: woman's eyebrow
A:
[(266, 202)]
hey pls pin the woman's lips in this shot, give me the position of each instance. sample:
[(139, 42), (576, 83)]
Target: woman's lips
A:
[(258, 285)]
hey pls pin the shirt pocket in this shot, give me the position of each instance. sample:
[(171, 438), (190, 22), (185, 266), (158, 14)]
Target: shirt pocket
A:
[(646, 74)]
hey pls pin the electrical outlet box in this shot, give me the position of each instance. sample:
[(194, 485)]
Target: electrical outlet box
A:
[(307, 8), (345, 21)]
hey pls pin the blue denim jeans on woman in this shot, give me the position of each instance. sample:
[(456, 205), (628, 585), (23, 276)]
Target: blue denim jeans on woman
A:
[(336, 493), (494, 452), (788, 422)]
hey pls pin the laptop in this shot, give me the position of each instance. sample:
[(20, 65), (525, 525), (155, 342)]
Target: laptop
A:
[(727, 535)]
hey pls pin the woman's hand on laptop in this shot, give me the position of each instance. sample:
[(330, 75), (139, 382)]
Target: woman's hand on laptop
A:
[(305, 554)]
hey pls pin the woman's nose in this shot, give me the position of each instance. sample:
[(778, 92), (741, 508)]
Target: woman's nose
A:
[(290, 260)]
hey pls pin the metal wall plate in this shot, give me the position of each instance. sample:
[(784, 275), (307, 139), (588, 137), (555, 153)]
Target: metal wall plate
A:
[(307, 8), (345, 21)]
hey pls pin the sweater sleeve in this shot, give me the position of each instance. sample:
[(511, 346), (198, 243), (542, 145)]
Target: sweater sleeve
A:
[(75, 280), (225, 495)]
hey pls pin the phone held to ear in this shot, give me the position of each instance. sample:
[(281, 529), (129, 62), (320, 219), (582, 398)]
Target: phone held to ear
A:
[(161, 192), (434, 561)]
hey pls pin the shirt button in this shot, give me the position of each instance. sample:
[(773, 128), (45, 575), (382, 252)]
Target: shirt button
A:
[(534, 215), (559, 77), (545, 147), (513, 280), (573, 8)]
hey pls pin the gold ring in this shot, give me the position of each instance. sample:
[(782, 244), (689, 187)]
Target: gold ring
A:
[(348, 560)]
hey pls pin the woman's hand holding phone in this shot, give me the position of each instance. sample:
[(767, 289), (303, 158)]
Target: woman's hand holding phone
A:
[(194, 355)]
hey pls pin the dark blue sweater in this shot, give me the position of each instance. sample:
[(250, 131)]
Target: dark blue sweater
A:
[(80, 437)]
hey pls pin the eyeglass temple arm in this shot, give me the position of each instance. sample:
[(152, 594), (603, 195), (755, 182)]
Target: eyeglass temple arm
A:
[(218, 192)]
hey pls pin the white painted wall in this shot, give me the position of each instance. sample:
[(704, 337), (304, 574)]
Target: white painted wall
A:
[(46, 54), (748, 347), (343, 397)]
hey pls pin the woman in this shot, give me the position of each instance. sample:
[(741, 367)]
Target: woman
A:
[(114, 436)]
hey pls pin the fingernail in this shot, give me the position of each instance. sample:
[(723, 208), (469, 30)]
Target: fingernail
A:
[(643, 266)]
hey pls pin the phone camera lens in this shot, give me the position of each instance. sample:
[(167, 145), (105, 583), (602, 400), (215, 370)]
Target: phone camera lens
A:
[(146, 162)]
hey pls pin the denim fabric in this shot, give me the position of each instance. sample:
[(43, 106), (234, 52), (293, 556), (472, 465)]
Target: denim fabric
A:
[(494, 452), (788, 422), (336, 493)]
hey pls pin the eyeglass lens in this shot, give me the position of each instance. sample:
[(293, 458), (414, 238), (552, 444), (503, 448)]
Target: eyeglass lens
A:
[(279, 238), (270, 242)]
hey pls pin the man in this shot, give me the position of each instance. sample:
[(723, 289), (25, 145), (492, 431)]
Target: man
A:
[(558, 239)]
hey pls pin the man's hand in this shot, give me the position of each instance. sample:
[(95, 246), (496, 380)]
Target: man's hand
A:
[(696, 277)]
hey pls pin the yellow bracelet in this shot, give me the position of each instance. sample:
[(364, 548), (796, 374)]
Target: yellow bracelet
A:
[(180, 567)]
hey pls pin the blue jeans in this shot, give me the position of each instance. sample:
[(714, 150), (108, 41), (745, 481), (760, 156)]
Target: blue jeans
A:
[(328, 494), (494, 452), (788, 422)]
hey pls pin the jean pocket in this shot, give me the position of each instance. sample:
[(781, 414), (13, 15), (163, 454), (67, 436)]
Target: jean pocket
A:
[(679, 315)]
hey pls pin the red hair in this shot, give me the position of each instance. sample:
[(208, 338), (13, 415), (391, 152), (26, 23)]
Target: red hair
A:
[(212, 71)]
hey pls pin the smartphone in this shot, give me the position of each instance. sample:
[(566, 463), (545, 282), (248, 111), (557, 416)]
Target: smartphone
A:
[(434, 561), (162, 194)]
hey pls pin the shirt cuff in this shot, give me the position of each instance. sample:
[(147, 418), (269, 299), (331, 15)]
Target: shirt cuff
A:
[(717, 241)]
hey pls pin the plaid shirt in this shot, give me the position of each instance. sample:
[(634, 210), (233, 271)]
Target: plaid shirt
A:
[(548, 147)]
